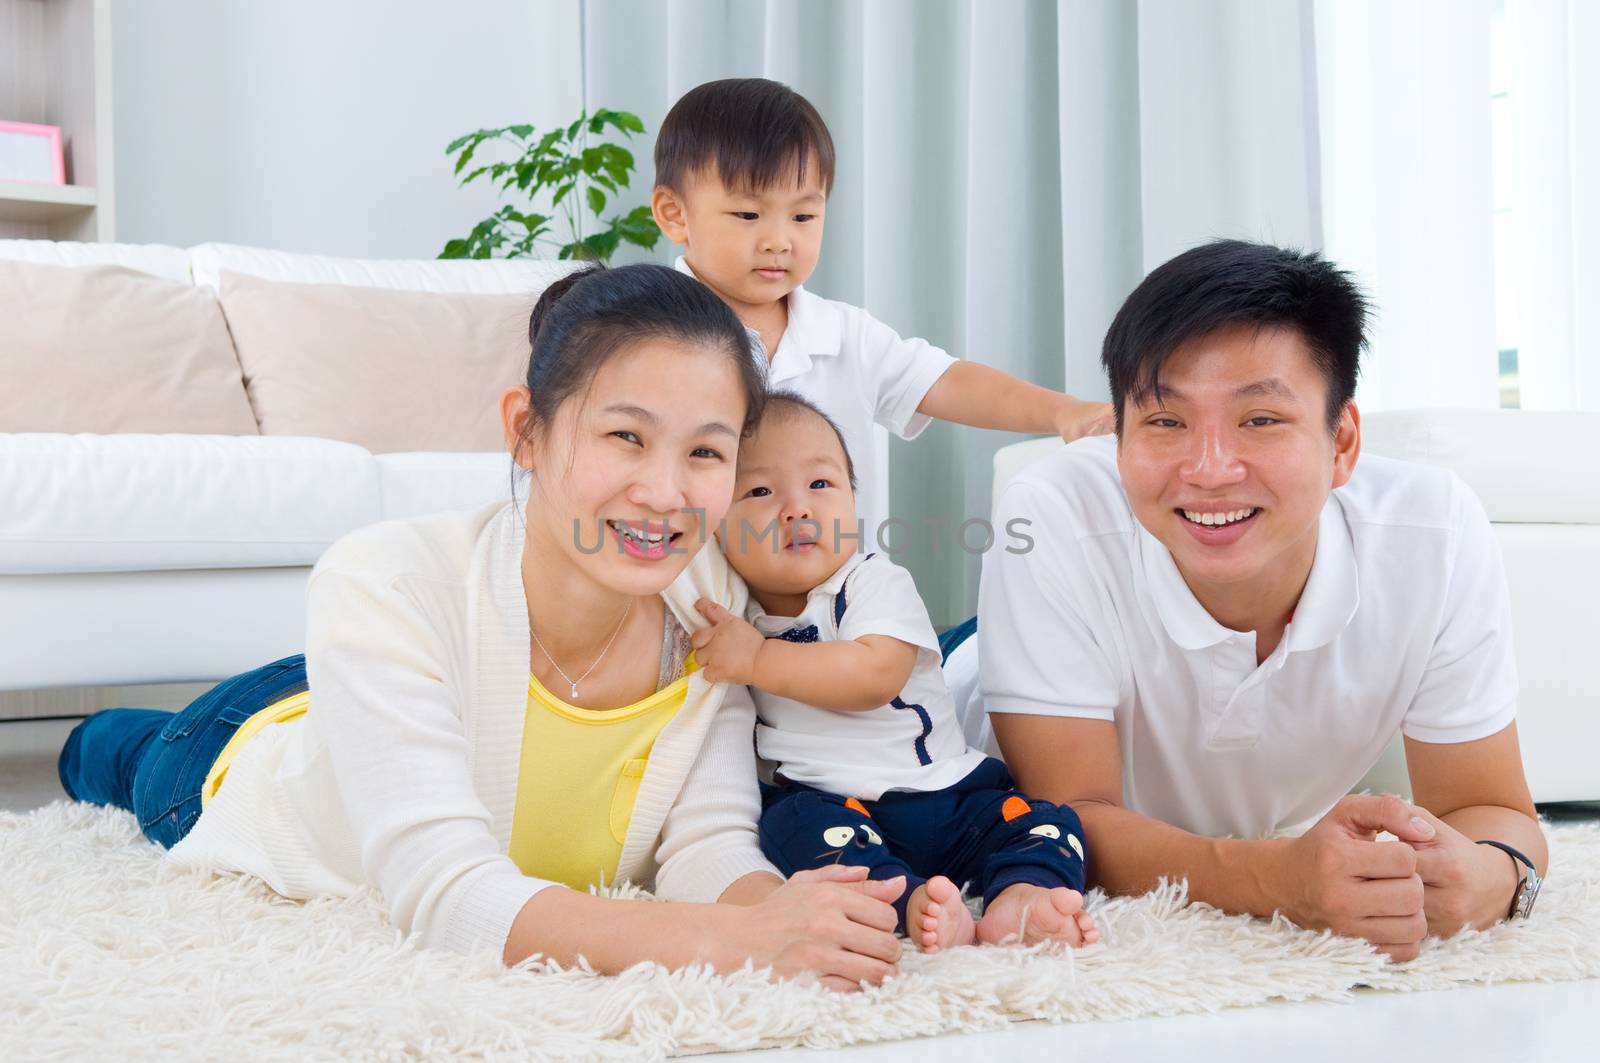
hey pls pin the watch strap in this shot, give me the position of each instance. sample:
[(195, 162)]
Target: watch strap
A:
[(1517, 856)]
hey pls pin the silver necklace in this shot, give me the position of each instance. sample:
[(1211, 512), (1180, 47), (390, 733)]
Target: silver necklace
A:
[(571, 681)]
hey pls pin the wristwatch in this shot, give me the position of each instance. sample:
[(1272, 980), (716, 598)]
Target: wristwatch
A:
[(1527, 889)]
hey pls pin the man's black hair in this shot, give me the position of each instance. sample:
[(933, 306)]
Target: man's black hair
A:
[(1234, 282), (750, 132)]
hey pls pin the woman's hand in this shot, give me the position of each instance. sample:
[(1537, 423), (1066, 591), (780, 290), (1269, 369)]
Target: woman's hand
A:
[(833, 922)]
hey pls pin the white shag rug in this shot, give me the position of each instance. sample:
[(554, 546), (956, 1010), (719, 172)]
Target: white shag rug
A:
[(105, 949)]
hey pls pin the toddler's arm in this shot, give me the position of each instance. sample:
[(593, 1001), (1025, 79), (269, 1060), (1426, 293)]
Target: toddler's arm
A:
[(850, 674), (975, 394)]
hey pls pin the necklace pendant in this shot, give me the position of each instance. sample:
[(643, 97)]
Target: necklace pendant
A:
[(574, 692)]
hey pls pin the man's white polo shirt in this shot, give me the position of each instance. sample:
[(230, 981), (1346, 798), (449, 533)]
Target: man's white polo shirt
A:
[(859, 371), (1404, 624)]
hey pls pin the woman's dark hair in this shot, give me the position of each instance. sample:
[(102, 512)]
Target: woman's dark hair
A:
[(782, 404), (586, 317), (1233, 282), (750, 132)]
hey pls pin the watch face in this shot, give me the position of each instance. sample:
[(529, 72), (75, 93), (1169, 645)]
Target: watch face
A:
[(1527, 893)]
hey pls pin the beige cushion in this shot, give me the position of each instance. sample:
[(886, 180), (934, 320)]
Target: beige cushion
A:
[(386, 370), (107, 349)]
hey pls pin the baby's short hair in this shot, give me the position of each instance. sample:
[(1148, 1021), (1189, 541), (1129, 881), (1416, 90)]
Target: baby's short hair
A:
[(788, 404), (750, 132)]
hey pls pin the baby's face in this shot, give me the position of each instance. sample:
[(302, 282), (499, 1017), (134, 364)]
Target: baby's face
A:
[(752, 247), (792, 506)]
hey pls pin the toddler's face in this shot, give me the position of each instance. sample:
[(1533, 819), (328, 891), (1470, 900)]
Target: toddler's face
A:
[(751, 247), (792, 506)]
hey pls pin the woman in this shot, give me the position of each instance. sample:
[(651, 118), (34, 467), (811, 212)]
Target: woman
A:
[(496, 706)]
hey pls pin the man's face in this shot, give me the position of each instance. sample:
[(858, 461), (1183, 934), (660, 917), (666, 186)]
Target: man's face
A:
[(1231, 467), (752, 247)]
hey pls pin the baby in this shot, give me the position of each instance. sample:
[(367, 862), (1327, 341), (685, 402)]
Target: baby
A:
[(871, 765)]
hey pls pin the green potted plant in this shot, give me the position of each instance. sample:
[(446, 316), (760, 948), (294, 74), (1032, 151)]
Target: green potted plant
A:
[(581, 174)]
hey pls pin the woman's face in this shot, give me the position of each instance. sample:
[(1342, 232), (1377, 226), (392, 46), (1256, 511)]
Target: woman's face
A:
[(632, 473)]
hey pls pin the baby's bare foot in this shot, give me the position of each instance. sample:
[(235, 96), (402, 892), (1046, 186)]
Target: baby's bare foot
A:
[(936, 917), (1031, 914)]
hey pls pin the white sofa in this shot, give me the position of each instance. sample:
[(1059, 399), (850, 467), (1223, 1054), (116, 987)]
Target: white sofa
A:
[(140, 558), (1538, 479)]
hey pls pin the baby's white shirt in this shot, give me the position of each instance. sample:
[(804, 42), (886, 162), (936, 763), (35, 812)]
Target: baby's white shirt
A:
[(914, 743)]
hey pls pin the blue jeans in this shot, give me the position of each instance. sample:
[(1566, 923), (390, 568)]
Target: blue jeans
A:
[(154, 764)]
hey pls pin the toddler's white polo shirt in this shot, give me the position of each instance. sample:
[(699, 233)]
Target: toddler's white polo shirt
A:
[(861, 373), (1404, 624)]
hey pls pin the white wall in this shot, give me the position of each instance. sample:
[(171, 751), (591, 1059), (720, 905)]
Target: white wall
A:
[(312, 126)]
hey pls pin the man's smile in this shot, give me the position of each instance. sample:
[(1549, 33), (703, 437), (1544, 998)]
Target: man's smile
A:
[(1218, 526)]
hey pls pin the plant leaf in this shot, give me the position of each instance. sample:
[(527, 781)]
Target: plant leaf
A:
[(638, 227), (602, 245), (454, 249), (629, 122), (459, 142), (597, 199)]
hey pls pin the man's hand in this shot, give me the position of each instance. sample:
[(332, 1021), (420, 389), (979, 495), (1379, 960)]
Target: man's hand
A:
[(726, 650), (1464, 884), (1076, 418), (1338, 877)]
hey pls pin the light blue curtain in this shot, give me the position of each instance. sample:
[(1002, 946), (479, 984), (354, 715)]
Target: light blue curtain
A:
[(1007, 173)]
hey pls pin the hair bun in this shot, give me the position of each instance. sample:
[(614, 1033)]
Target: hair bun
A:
[(553, 294)]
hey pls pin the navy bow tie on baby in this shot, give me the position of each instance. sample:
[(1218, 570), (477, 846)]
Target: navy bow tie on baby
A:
[(798, 634)]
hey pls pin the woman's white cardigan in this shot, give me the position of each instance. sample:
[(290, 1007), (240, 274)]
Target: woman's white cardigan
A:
[(403, 775)]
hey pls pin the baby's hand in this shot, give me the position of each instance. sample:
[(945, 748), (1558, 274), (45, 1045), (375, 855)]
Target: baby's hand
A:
[(727, 649)]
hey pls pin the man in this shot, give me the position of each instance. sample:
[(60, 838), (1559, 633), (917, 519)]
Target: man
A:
[(1222, 622)]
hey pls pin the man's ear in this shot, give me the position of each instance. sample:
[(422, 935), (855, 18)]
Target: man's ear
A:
[(516, 423), (1346, 444), (668, 210)]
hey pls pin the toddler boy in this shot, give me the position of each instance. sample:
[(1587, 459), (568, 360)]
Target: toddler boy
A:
[(744, 168), (871, 765)]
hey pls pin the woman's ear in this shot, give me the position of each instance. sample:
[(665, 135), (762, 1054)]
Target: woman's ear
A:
[(671, 218), (516, 423)]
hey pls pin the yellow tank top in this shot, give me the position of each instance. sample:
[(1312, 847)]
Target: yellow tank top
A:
[(289, 708), (577, 779)]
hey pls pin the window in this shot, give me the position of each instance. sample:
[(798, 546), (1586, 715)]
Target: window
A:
[(1505, 250)]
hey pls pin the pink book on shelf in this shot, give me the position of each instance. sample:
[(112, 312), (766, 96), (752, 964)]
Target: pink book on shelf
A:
[(29, 157)]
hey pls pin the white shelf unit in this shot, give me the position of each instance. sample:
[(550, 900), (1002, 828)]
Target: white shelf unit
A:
[(55, 69)]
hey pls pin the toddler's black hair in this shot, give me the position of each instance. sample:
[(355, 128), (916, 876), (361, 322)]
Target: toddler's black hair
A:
[(750, 132)]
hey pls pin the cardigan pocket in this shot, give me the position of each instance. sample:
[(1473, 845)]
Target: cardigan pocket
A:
[(623, 797)]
